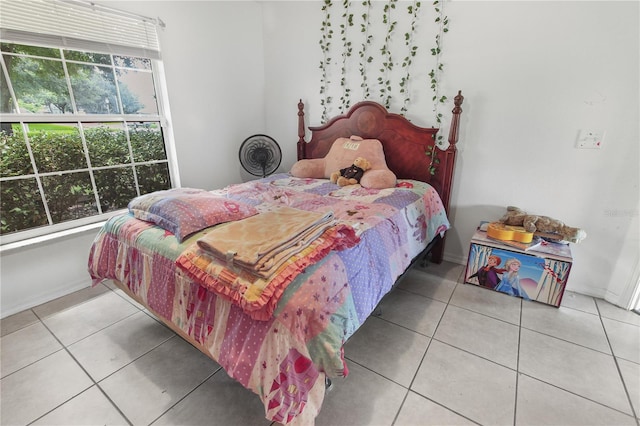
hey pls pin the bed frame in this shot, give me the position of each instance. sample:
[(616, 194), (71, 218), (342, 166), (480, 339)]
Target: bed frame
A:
[(405, 146)]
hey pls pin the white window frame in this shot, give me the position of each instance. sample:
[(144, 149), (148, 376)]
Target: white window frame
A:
[(104, 37)]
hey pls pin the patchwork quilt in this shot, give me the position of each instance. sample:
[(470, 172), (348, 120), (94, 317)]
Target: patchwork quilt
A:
[(285, 354)]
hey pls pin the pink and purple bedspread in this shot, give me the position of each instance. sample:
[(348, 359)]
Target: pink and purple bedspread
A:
[(285, 358)]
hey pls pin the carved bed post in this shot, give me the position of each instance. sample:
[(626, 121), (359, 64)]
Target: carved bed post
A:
[(450, 160), (450, 153), (444, 173), (455, 120), (301, 141)]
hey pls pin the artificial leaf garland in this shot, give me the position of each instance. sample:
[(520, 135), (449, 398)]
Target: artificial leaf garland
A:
[(346, 53), (387, 62), (411, 53), (443, 27), (435, 74), (385, 87), (325, 45), (365, 58)]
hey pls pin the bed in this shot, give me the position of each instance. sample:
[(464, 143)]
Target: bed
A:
[(282, 334)]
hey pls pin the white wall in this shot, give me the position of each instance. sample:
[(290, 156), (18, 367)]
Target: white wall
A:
[(213, 60), (538, 72), (37, 274), (533, 74)]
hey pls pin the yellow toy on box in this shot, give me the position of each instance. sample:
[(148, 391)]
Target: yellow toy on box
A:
[(503, 232)]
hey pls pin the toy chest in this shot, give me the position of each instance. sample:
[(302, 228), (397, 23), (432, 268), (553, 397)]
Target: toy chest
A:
[(541, 275)]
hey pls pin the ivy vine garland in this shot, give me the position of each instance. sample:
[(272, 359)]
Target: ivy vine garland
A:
[(387, 62), (412, 50), (346, 53), (325, 45), (400, 89), (435, 74), (364, 49)]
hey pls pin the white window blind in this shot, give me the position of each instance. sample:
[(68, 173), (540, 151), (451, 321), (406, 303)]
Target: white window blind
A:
[(79, 25)]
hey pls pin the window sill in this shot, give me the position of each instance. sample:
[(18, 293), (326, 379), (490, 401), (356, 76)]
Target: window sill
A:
[(35, 241)]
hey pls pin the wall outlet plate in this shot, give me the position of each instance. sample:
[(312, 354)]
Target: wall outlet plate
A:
[(590, 139)]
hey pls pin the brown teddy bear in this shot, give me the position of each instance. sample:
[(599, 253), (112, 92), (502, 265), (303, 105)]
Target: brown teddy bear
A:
[(542, 225), (352, 174)]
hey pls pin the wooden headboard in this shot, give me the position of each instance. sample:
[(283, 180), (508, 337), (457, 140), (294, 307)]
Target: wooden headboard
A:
[(405, 147), (405, 144)]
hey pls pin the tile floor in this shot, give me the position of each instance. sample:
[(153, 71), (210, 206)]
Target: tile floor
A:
[(440, 352)]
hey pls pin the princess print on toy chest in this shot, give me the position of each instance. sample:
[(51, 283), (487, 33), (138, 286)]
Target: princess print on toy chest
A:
[(538, 274)]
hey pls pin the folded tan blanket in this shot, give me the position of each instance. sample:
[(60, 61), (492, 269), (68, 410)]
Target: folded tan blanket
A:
[(256, 296), (261, 243)]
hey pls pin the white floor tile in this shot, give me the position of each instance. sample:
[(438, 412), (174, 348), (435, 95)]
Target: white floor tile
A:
[(363, 398), (574, 368), (429, 285), (579, 302), (448, 270), (419, 411), (26, 346), (126, 297), (388, 349), (567, 324), (412, 311), (473, 387), (85, 319), (481, 335), (542, 404), (152, 384), (631, 376), (37, 389), (17, 321), (624, 338), (487, 302), (462, 350), (70, 300), (607, 310), (90, 408), (116, 346), (218, 401)]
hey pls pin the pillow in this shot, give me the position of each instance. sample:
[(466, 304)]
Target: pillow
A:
[(341, 155), (183, 211)]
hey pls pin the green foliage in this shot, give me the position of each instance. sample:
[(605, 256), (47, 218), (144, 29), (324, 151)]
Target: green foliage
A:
[(325, 45), (442, 21), (146, 143), (433, 159), (387, 63), (21, 206), (52, 150), (107, 146), (365, 58), (60, 172), (345, 99), (409, 41), (59, 155), (14, 159), (40, 83)]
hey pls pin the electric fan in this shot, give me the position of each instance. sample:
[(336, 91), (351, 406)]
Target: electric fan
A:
[(260, 155)]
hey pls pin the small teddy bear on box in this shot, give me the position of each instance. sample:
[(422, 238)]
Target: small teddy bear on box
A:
[(351, 175), (542, 225)]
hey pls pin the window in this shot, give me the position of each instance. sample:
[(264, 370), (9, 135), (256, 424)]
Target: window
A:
[(82, 133)]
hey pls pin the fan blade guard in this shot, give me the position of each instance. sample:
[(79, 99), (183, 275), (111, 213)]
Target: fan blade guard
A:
[(260, 155)]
